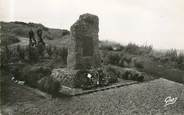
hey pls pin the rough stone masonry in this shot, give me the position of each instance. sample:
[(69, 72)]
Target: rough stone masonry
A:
[(83, 52)]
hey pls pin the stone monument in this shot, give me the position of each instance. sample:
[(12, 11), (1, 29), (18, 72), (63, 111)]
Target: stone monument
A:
[(83, 52)]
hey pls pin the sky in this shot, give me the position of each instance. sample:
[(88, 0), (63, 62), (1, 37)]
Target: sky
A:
[(159, 23)]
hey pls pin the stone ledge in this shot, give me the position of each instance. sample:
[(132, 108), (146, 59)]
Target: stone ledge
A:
[(76, 92)]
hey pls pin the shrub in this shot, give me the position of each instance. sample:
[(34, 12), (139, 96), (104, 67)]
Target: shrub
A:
[(32, 74), (140, 78), (60, 53), (98, 77), (132, 48), (171, 54), (139, 64), (16, 71), (138, 50), (126, 75), (112, 58), (111, 74), (180, 61), (49, 84), (133, 75), (125, 60), (102, 77), (146, 49), (82, 81)]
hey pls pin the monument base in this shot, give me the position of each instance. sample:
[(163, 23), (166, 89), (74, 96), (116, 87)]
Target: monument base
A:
[(64, 76)]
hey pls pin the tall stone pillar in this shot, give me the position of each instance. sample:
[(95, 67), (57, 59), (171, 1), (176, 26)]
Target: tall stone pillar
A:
[(83, 52)]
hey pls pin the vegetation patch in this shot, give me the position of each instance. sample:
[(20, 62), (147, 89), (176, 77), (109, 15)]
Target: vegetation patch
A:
[(7, 39)]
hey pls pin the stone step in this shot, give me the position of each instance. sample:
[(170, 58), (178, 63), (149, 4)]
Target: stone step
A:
[(76, 92)]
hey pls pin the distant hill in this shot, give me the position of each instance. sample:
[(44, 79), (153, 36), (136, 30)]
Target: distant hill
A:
[(21, 29)]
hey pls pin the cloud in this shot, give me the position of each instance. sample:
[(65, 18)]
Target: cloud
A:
[(156, 22)]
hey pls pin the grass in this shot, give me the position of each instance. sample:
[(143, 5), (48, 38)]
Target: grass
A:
[(157, 69), (21, 29), (8, 39), (143, 99)]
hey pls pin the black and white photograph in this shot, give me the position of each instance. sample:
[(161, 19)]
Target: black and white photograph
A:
[(91, 57)]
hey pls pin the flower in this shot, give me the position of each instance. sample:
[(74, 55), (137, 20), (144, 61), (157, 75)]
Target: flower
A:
[(89, 75)]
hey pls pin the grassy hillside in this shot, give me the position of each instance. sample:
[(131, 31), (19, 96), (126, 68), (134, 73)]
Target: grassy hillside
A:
[(8, 39), (22, 29)]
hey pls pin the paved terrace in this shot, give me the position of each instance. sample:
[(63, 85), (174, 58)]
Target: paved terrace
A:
[(143, 98)]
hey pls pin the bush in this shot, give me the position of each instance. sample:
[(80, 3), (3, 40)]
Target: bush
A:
[(125, 60), (139, 64), (102, 77), (127, 75), (98, 77), (133, 75), (180, 61), (49, 85), (32, 74), (132, 48), (112, 58), (171, 54), (138, 50), (111, 74), (82, 81)]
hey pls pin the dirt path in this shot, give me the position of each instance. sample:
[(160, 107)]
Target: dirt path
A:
[(23, 42)]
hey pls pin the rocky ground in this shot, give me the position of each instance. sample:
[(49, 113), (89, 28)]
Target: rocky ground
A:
[(144, 98)]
